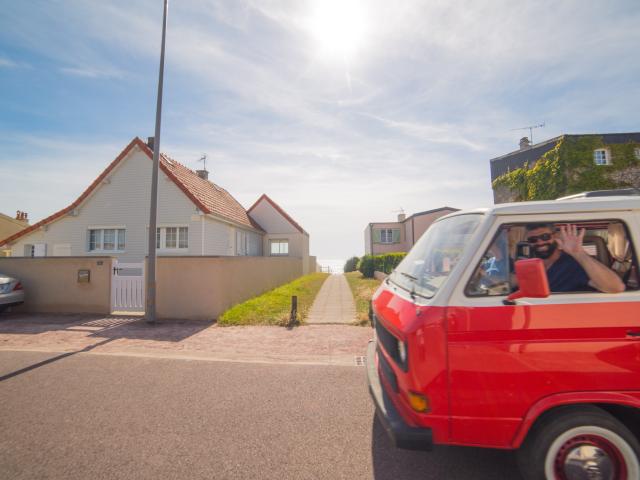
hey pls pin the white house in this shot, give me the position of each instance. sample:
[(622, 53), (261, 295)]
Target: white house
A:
[(195, 217)]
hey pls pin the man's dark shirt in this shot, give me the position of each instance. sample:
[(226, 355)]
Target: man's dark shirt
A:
[(566, 275)]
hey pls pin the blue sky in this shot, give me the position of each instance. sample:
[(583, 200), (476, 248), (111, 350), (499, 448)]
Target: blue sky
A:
[(342, 111)]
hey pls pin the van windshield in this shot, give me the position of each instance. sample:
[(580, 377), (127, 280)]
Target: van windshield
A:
[(428, 264)]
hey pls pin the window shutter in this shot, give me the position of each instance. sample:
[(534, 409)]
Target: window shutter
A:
[(377, 236), (395, 236)]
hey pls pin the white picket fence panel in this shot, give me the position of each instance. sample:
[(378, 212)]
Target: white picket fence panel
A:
[(127, 287)]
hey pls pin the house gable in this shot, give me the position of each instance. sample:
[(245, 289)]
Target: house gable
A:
[(207, 197), (272, 218), (121, 201)]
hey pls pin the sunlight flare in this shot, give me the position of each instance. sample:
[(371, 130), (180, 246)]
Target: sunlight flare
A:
[(338, 28)]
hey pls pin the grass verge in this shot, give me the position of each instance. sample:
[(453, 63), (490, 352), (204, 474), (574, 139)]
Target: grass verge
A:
[(274, 306), (362, 289)]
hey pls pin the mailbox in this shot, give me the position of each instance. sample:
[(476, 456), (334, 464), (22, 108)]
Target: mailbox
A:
[(84, 276)]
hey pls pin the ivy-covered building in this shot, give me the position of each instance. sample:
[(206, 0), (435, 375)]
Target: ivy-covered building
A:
[(565, 165)]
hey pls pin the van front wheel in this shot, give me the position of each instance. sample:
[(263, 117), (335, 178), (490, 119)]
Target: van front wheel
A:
[(580, 443)]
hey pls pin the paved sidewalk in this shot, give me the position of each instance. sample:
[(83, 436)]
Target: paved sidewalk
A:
[(334, 303), (119, 335)]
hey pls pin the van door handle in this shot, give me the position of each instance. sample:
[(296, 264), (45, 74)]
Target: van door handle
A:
[(633, 333)]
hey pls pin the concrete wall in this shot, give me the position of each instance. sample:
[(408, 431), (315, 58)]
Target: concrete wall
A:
[(202, 288), (312, 264), (51, 285)]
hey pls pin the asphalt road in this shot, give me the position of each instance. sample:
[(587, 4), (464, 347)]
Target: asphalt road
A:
[(93, 416)]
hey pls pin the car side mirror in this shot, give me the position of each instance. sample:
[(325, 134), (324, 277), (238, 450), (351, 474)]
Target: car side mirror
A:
[(532, 281)]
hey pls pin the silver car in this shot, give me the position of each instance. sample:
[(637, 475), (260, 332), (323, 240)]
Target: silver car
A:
[(11, 292)]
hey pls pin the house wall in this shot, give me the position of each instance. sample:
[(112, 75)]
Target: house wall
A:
[(380, 248), (367, 240), (202, 288), (271, 220), (279, 228), (298, 243), (51, 284), (124, 202)]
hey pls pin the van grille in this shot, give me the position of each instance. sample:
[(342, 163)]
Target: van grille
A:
[(390, 343)]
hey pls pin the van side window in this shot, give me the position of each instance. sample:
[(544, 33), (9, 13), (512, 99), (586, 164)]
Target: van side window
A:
[(607, 241), (492, 275)]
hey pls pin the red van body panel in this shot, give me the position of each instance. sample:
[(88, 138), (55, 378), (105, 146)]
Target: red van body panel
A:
[(489, 372), (424, 330)]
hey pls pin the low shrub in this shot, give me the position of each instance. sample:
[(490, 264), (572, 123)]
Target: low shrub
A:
[(351, 265), (366, 266), (381, 263)]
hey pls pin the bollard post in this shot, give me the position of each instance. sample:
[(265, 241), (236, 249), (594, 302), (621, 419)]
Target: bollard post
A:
[(293, 319)]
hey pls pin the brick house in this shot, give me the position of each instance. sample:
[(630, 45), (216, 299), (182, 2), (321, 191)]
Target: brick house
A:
[(565, 165), (400, 236)]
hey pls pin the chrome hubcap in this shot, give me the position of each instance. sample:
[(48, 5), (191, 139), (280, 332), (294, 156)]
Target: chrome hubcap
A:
[(588, 462)]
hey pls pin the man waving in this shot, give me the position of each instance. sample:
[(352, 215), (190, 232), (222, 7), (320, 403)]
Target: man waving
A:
[(569, 267)]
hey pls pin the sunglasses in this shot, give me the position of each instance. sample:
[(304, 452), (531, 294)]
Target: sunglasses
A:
[(534, 238)]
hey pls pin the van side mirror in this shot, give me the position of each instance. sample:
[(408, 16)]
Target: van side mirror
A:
[(532, 280)]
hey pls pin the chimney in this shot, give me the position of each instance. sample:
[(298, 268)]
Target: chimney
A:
[(524, 143), (150, 142), (204, 174), (401, 217)]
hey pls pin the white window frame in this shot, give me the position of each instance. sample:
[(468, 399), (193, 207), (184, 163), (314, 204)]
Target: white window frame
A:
[(600, 154), (116, 239), (180, 247), (388, 233), (281, 241)]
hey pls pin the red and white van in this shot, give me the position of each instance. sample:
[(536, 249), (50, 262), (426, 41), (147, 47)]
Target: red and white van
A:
[(557, 377)]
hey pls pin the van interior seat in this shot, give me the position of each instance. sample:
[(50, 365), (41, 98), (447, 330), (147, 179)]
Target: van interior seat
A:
[(601, 251)]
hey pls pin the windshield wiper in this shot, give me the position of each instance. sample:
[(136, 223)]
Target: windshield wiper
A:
[(409, 276), (412, 293)]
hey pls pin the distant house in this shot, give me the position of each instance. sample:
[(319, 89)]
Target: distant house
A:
[(565, 165), (10, 225), (196, 217), (400, 236)]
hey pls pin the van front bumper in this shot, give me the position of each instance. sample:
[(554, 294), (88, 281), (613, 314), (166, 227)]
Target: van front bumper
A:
[(401, 434)]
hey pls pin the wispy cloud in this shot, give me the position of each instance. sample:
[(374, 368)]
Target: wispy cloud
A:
[(8, 63), (92, 72)]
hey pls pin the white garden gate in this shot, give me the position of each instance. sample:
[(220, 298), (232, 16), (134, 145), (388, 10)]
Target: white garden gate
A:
[(127, 287)]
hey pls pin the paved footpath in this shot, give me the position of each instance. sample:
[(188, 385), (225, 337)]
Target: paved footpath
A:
[(334, 303)]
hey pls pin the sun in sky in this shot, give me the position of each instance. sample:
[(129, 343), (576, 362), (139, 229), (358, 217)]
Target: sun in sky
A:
[(338, 28)]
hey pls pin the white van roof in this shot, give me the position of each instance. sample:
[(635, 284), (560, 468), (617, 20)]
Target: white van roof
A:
[(567, 205)]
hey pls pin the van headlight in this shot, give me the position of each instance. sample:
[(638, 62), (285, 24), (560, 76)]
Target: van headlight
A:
[(402, 352)]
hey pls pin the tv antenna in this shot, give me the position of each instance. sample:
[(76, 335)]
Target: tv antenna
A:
[(530, 128), (203, 159)]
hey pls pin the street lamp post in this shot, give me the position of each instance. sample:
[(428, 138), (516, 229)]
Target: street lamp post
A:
[(151, 262)]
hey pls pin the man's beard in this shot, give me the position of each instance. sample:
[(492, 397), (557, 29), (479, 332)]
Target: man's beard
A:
[(551, 247)]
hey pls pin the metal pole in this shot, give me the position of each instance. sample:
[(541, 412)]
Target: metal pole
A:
[(151, 261)]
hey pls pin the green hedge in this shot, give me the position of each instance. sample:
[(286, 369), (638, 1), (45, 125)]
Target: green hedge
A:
[(351, 265), (382, 263)]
